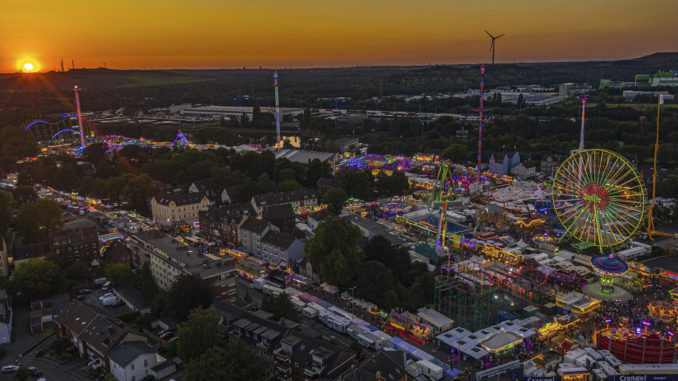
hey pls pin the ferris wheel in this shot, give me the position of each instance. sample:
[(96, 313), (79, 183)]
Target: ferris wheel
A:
[(598, 197)]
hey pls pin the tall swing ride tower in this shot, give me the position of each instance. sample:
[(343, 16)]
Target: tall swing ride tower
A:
[(464, 298)]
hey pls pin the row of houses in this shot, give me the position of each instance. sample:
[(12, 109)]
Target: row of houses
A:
[(298, 354), (264, 227), (107, 343), (169, 207)]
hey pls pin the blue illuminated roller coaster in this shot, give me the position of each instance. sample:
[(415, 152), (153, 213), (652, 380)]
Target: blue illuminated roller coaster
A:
[(64, 130)]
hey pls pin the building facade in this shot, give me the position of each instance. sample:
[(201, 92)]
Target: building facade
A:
[(502, 165), (83, 243), (222, 223), (281, 248), (296, 198), (170, 208), (169, 259), (252, 232)]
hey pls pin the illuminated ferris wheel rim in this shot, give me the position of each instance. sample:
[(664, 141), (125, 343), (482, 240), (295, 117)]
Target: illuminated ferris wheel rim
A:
[(598, 197)]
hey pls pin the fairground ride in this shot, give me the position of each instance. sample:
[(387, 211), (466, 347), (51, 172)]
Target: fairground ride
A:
[(443, 190), (651, 232), (599, 199)]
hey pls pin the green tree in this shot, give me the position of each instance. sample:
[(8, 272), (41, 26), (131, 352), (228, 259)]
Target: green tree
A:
[(119, 274), (95, 152), (282, 307), (334, 252), (198, 333), (37, 278), (357, 184), (456, 153), (87, 186), (288, 185), (24, 193), (237, 362), (187, 293), (335, 199), (62, 257), (35, 220)]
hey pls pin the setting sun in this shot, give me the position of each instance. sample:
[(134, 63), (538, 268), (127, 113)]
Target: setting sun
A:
[(28, 67)]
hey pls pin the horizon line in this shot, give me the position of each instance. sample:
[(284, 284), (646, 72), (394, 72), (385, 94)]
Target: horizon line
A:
[(284, 67)]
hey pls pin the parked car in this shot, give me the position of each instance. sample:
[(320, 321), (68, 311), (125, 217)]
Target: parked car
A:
[(85, 291), (80, 297), (10, 368), (106, 286), (167, 335), (107, 295), (35, 372), (110, 301)]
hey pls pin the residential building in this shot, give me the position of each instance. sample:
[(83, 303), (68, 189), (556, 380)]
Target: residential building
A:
[(132, 361), (252, 232), (501, 164), (296, 198), (524, 169), (100, 337), (172, 207), (22, 251), (133, 299), (281, 248), (72, 321), (299, 357), (118, 253), (203, 186), (282, 216), (381, 366), (252, 328), (95, 335), (221, 223), (169, 259), (82, 243)]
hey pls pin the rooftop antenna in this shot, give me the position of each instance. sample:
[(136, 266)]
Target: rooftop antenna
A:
[(277, 110), (492, 43), (72, 64), (62, 65)]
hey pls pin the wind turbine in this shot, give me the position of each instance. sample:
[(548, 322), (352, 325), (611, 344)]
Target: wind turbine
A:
[(492, 43)]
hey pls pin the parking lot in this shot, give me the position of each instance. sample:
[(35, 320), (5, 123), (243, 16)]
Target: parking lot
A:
[(93, 299)]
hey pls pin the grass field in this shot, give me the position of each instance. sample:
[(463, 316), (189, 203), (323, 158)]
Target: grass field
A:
[(155, 78)]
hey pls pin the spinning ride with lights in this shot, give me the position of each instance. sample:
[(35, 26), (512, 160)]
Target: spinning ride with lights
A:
[(599, 199)]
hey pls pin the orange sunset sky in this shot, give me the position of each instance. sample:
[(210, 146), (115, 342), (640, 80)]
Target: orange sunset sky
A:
[(302, 33)]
